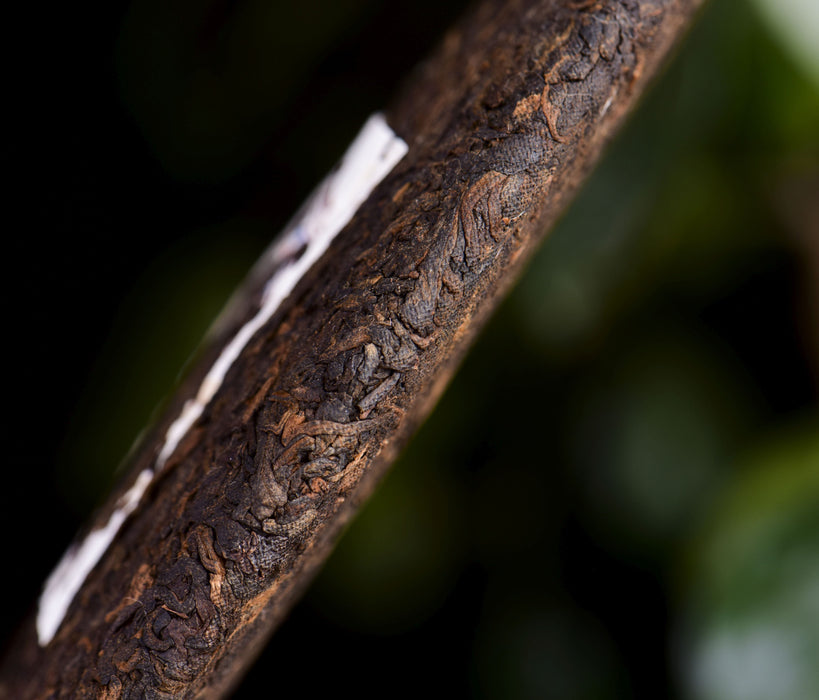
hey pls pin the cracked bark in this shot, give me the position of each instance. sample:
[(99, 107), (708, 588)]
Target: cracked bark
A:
[(503, 123)]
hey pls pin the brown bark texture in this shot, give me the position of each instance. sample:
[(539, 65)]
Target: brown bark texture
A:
[(503, 122)]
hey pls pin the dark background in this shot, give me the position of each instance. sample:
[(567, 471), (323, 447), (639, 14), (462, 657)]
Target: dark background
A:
[(617, 496)]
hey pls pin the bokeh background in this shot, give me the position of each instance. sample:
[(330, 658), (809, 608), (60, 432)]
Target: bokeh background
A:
[(618, 497)]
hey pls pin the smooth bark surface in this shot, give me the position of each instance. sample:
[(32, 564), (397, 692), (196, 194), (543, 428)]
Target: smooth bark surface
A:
[(503, 123)]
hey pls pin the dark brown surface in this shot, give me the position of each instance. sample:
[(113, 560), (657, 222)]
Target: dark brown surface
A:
[(502, 123)]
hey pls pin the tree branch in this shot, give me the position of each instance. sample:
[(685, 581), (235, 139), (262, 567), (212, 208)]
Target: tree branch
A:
[(236, 496)]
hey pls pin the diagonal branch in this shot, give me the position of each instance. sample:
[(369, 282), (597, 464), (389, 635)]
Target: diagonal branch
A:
[(336, 348)]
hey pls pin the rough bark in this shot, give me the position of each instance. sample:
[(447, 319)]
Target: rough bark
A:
[(503, 123)]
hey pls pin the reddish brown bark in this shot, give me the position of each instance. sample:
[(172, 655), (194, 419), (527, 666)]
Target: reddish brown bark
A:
[(503, 124)]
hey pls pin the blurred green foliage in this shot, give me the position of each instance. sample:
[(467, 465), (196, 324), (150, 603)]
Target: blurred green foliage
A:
[(617, 496)]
